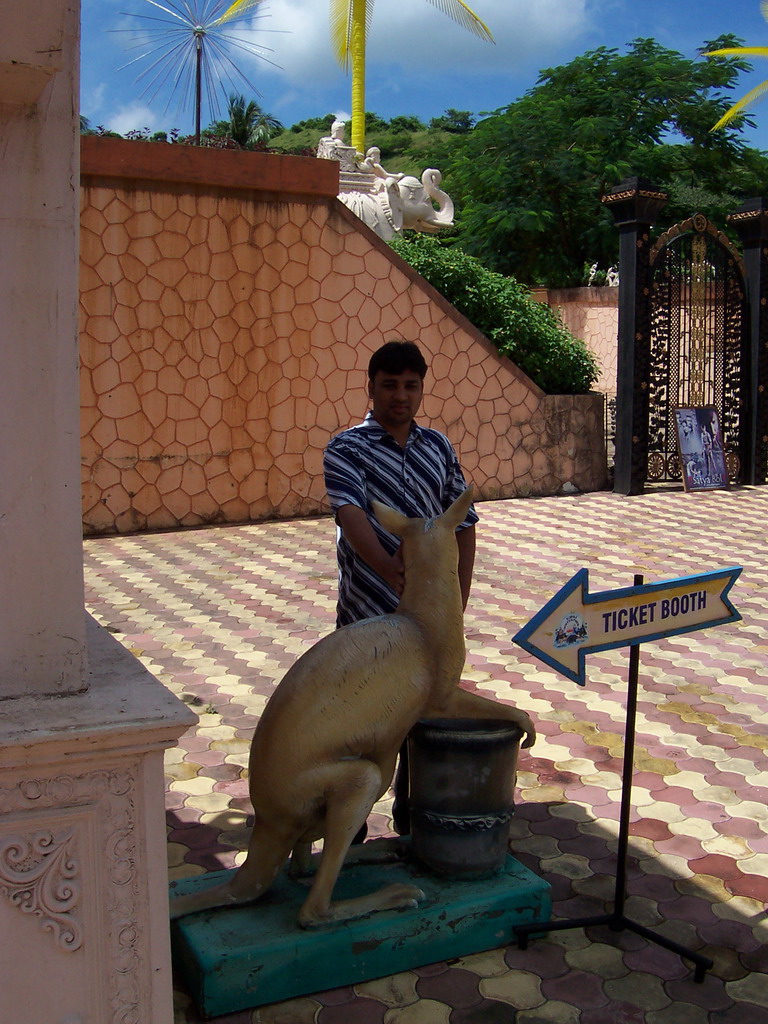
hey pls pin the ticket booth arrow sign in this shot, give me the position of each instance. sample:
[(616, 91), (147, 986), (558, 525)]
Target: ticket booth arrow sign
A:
[(575, 623)]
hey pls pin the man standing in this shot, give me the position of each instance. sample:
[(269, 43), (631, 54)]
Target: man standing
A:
[(413, 469)]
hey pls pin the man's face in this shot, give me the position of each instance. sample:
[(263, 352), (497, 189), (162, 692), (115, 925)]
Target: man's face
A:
[(396, 397)]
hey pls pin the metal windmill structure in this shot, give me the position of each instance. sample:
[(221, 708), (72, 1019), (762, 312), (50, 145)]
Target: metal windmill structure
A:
[(188, 44)]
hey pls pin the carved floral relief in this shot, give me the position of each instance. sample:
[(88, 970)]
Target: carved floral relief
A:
[(40, 875), (43, 867)]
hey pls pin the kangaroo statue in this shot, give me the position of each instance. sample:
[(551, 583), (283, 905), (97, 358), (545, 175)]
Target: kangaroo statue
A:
[(325, 747)]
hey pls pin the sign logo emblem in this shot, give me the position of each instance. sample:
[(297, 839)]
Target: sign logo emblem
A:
[(572, 630)]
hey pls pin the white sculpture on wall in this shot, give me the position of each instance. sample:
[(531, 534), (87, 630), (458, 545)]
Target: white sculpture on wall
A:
[(333, 147), (388, 203), (611, 276)]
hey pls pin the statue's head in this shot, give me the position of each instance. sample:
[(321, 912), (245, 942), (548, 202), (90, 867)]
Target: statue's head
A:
[(419, 212), (412, 190)]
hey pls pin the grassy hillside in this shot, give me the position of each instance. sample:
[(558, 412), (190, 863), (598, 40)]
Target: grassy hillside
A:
[(407, 144)]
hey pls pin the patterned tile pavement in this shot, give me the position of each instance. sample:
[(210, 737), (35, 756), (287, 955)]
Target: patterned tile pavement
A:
[(219, 614)]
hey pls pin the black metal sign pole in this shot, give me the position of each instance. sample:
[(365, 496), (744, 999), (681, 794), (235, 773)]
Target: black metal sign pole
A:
[(617, 921)]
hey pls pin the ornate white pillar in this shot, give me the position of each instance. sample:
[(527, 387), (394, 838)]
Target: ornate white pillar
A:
[(83, 884), (41, 600)]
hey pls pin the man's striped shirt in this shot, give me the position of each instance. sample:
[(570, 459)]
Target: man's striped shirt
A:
[(366, 463)]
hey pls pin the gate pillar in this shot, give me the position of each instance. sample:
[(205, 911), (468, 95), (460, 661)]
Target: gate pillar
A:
[(635, 204), (751, 223)]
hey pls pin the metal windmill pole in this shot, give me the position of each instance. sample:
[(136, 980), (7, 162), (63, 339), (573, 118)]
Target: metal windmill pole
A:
[(199, 32)]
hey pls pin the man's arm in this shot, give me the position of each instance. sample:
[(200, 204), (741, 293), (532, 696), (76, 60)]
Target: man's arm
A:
[(361, 536), (466, 541)]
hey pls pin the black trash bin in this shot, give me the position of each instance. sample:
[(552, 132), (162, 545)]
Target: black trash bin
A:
[(462, 783)]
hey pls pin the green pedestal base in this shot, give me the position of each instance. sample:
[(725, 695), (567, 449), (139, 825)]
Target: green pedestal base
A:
[(240, 957)]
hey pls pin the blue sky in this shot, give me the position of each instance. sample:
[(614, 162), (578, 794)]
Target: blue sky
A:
[(419, 61)]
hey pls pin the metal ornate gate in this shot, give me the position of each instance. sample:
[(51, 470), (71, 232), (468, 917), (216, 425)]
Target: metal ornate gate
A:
[(698, 350)]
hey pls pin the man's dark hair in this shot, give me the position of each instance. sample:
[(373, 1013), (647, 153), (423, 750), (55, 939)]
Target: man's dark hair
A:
[(396, 357)]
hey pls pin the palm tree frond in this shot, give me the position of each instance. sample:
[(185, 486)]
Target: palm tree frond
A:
[(368, 16), (463, 15), (235, 10), (341, 30), (739, 51), (751, 97)]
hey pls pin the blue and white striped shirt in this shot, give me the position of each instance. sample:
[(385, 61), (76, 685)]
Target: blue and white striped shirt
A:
[(366, 463)]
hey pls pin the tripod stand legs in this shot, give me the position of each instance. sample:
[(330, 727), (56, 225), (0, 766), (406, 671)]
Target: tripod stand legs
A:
[(617, 923)]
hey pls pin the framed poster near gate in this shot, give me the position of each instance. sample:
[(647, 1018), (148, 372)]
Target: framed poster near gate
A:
[(700, 447)]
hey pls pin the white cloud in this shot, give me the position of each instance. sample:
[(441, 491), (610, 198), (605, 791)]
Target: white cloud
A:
[(414, 53), (425, 38), (415, 36), (92, 96), (297, 34), (134, 117)]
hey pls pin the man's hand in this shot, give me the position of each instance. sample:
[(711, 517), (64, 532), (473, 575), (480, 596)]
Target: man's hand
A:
[(466, 540), (362, 537), (394, 573), (524, 721)]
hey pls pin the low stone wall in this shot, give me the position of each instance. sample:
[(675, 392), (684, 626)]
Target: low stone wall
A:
[(229, 306)]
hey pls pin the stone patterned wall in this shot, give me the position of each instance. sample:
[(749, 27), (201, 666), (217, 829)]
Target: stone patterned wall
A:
[(229, 306), (592, 314)]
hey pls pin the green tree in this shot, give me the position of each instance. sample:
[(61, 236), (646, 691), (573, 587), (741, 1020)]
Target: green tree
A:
[(530, 333), (315, 124), (457, 122), (406, 123), (528, 179), (247, 125)]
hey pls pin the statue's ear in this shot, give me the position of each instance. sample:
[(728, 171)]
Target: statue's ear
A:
[(392, 521), (457, 512)]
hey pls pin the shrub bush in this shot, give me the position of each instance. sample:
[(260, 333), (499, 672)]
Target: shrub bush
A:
[(528, 332)]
